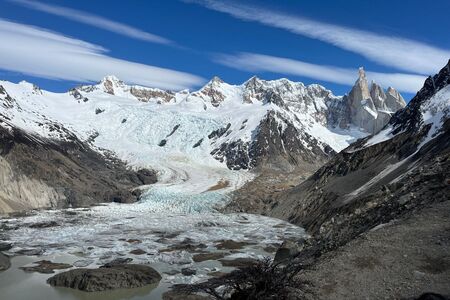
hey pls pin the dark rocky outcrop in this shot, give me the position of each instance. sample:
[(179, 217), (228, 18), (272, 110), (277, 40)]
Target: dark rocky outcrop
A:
[(276, 144), (188, 272), (173, 130), (200, 141), (122, 276), (66, 173), (219, 132)]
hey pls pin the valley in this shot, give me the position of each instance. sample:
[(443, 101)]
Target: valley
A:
[(196, 184)]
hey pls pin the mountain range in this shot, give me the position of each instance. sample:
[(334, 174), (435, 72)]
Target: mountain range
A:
[(397, 171), (260, 124)]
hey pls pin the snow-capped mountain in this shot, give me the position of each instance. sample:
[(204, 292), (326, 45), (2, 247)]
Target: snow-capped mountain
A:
[(240, 126), (403, 168)]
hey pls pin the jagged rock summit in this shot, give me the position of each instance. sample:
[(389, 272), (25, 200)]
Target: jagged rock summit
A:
[(372, 108)]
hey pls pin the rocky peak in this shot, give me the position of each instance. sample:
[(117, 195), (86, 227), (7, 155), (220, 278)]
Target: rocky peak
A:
[(33, 88), (5, 99), (253, 90), (253, 82), (394, 101), (410, 118), (362, 73), (216, 80), (362, 109), (112, 78), (361, 87), (378, 96), (212, 91), (110, 83), (372, 109)]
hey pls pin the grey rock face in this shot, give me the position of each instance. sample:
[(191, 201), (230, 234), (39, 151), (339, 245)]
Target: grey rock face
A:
[(394, 100), (372, 109), (378, 96)]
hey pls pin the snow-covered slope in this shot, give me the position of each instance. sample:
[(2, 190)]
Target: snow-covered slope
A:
[(195, 138), (429, 108)]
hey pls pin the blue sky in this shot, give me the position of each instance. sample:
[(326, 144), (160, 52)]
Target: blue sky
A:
[(182, 44)]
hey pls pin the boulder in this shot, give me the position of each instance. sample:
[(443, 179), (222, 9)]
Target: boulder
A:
[(123, 276), (188, 272), (239, 262), (4, 262), (118, 261), (232, 245), (288, 250), (208, 256), (137, 252), (5, 246), (45, 267)]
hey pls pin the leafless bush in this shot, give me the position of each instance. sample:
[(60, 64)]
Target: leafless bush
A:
[(261, 281)]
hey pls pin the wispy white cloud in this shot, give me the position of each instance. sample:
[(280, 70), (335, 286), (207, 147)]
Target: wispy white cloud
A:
[(39, 52), (401, 53), (93, 20), (259, 63)]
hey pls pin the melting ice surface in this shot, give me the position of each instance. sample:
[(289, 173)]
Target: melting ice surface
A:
[(162, 224)]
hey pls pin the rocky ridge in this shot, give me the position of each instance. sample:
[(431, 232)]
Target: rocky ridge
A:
[(276, 123), (379, 178), (286, 135)]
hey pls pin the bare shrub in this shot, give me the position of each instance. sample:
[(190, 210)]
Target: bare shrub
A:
[(261, 281)]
